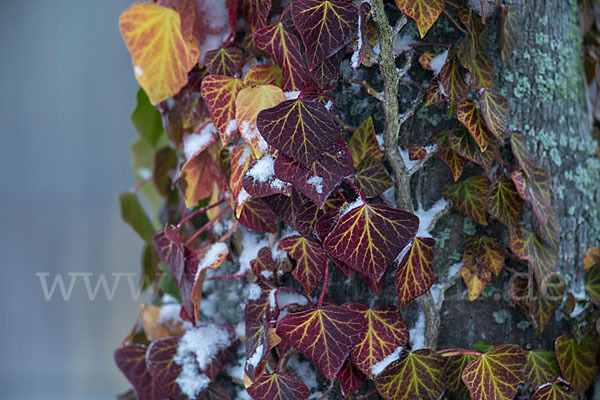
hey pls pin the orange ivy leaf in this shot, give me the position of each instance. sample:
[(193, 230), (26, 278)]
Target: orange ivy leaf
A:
[(263, 74), (325, 335), (224, 61), (522, 154), (418, 375), (368, 237), (577, 361), (195, 179), (541, 367), (504, 203), (363, 142), (414, 275), (161, 56), (301, 129), (509, 30), (470, 116), (372, 178), (249, 102), (453, 375), (324, 26), (496, 374), (541, 257), (255, 12), (452, 78), (278, 386), (476, 278), (220, 93), (425, 60), (468, 196), (446, 152), (284, 47), (423, 12), (535, 190), (382, 334), (592, 256), (311, 260), (494, 110)]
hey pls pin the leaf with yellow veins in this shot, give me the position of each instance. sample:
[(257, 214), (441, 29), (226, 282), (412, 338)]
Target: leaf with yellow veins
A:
[(423, 12), (161, 56), (220, 93)]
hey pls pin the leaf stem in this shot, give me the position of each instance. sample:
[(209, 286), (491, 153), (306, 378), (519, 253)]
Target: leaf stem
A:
[(225, 277), (285, 12), (458, 352), (208, 225), (229, 232), (325, 282), (198, 212), (324, 396), (455, 23)]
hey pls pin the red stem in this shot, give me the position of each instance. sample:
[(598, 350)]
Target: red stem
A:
[(285, 12), (198, 212), (325, 282), (139, 184), (349, 182), (225, 277), (208, 225)]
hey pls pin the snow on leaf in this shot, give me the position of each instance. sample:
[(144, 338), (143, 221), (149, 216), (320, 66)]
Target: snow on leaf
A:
[(536, 190), (224, 61), (363, 142), (318, 181), (372, 178), (160, 54), (414, 275), (249, 102), (256, 215), (350, 377), (369, 237), (469, 196), (423, 12), (255, 12), (278, 386), (542, 367), (325, 335), (452, 78), (383, 332), (220, 93), (241, 158), (509, 30), (324, 26), (577, 360), (496, 374), (453, 375), (269, 262), (199, 141), (504, 203), (300, 129), (284, 48), (494, 110), (418, 375), (131, 360), (196, 178), (311, 260), (260, 179), (364, 9), (541, 257), (521, 152), (470, 116)]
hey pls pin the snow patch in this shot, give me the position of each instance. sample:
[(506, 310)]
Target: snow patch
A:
[(232, 126), (427, 217), (417, 334), (293, 95), (381, 365), (317, 182), (138, 70), (252, 243), (356, 203), (196, 142), (213, 254), (254, 291), (256, 356), (355, 60), (402, 43), (438, 62)]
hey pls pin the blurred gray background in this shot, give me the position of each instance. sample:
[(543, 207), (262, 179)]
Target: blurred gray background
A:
[(66, 93)]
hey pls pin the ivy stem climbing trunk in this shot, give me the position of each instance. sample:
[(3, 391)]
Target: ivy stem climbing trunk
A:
[(393, 122)]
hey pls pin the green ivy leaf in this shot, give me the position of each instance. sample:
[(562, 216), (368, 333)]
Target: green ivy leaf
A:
[(133, 213), (577, 361)]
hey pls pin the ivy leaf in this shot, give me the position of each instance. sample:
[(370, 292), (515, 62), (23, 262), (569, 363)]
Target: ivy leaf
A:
[(509, 30), (161, 56), (435, 93), (134, 214), (171, 251), (256, 215), (446, 152), (324, 26), (310, 257), (146, 119), (453, 373), (521, 152), (543, 303), (256, 318), (286, 207), (266, 263), (577, 361), (418, 375), (255, 12), (263, 74), (504, 203), (484, 251), (470, 116), (214, 392), (368, 237), (461, 141), (360, 51), (541, 257), (554, 391), (325, 335), (363, 142), (381, 335), (452, 78), (300, 129), (225, 61), (480, 66), (476, 277), (350, 377), (284, 47), (592, 284), (196, 178), (494, 110), (423, 12), (425, 59), (278, 386), (318, 181), (414, 275), (541, 367), (249, 102), (591, 257), (469, 197), (535, 190), (372, 178), (416, 152), (220, 93), (496, 374), (131, 360), (327, 70), (241, 158), (162, 367)]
